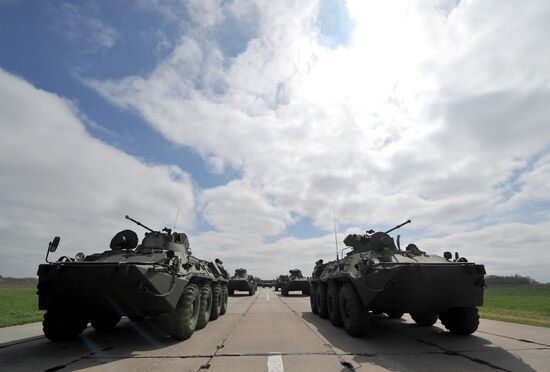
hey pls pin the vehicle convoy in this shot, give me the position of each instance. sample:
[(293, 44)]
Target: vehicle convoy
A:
[(295, 282), (157, 277), (241, 281), (377, 276), (280, 281)]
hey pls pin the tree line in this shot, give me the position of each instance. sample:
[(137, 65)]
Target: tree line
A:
[(493, 280)]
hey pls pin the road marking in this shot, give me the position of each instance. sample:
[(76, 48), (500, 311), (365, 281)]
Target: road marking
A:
[(275, 363), (267, 296)]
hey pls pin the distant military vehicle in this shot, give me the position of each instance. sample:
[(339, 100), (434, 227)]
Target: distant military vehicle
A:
[(241, 281), (379, 277), (267, 283), (296, 282), (280, 281), (157, 277)]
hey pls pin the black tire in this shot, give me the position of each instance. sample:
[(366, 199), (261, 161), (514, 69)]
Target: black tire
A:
[(58, 326), (284, 291), (306, 292), (312, 295), (206, 306), (424, 319), (225, 297), (105, 322), (184, 317), (354, 316), (252, 291), (231, 292), (461, 320), (395, 314), (321, 300), (217, 299), (333, 305)]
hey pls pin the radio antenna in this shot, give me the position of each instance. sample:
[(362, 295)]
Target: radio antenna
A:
[(335, 234), (176, 221)]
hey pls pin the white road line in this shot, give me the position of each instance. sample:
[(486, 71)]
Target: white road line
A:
[(267, 296), (275, 363)]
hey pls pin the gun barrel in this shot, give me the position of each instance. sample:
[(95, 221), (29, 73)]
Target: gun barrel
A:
[(398, 226), (139, 223)]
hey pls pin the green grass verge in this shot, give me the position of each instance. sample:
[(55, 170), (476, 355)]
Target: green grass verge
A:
[(18, 303), (518, 304)]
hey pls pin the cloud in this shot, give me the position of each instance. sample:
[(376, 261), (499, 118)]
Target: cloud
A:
[(59, 180), (77, 26), (428, 111)]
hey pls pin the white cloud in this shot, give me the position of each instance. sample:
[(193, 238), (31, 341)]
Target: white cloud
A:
[(427, 113), (80, 27), (59, 180)]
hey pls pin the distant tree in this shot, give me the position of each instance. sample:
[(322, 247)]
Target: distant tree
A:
[(494, 280)]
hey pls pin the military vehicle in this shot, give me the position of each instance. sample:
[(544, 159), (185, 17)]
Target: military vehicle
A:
[(280, 281), (267, 283), (296, 282), (241, 281), (377, 276), (157, 277)]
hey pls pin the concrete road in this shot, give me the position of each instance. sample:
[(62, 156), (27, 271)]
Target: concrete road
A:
[(268, 332)]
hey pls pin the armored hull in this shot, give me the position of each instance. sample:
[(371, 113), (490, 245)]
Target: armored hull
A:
[(158, 277), (241, 281), (378, 277), (295, 282)]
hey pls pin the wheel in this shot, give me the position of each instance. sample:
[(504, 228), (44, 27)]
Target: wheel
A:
[(424, 319), (105, 322), (231, 292), (252, 291), (217, 299), (394, 314), (184, 317), (333, 305), (312, 295), (58, 326), (354, 316), (223, 308), (206, 306), (461, 320), (306, 292), (321, 300)]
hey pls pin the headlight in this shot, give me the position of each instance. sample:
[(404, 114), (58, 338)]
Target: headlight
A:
[(79, 256)]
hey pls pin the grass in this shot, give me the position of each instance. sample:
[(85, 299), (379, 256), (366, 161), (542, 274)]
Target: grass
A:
[(516, 304), (528, 304), (18, 303)]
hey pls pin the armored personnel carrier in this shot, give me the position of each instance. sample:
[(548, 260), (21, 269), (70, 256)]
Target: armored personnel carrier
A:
[(157, 277), (377, 276), (241, 281), (296, 282), (280, 281)]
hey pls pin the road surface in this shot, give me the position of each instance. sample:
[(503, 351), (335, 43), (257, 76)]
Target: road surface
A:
[(269, 332)]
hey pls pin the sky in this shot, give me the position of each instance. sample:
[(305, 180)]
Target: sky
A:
[(257, 127)]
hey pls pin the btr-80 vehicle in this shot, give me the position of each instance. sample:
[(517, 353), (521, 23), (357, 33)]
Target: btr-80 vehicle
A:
[(241, 281), (296, 282), (158, 276), (377, 276), (280, 281)]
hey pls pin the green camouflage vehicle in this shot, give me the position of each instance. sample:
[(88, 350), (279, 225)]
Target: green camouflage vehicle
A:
[(296, 282), (377, 276), (241, 281), (157, 277), (280, 281)]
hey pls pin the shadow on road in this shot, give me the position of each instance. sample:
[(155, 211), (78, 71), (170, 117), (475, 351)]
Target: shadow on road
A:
[(398, 345), (94, 348)]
